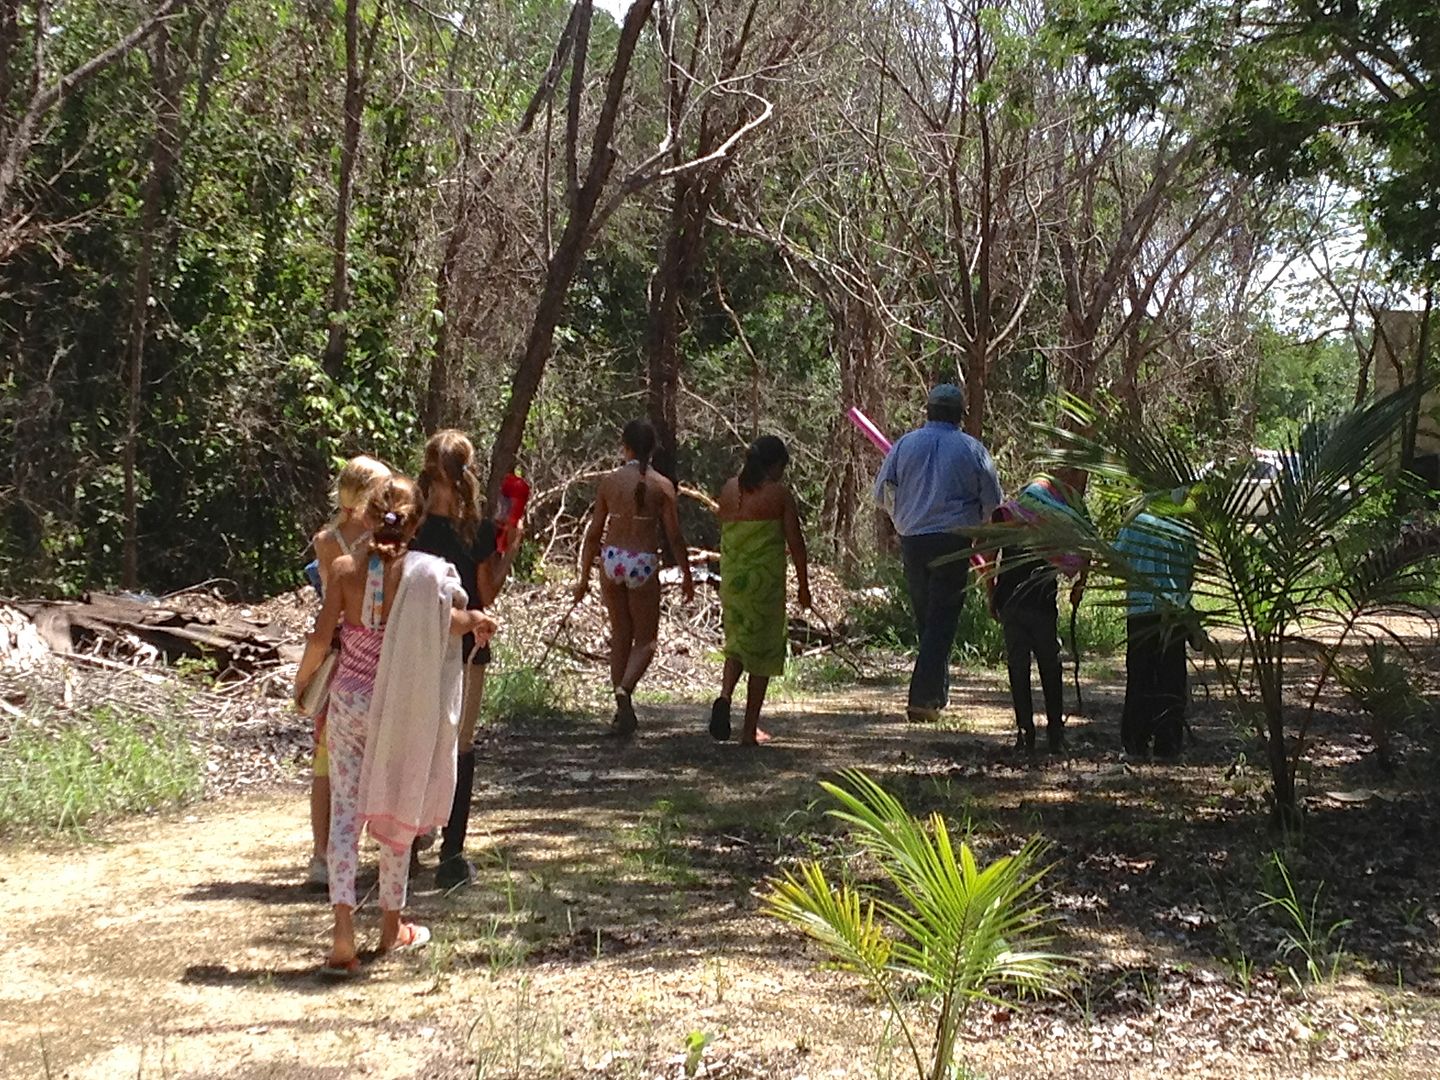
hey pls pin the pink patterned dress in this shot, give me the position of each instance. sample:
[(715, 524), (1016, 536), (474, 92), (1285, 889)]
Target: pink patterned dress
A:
[(345, 733)]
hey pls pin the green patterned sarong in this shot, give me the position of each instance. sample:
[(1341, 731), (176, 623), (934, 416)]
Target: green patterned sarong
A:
[(752, 594)]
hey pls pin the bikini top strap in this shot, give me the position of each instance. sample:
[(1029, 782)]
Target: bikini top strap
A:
[(374, 602), (348, 548)]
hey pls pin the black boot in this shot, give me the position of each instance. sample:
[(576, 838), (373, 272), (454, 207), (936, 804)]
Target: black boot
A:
[(454, 868)]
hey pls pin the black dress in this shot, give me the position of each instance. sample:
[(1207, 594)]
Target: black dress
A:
[(439, 536)]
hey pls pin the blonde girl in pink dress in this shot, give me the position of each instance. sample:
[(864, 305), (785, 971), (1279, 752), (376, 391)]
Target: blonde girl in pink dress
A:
[(358, 601), (347, 534)]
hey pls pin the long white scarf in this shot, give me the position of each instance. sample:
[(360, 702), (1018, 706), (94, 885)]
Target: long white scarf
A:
[(407, 781)]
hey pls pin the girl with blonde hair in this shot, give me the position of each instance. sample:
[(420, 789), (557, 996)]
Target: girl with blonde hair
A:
[(346, 534), (393, 709)]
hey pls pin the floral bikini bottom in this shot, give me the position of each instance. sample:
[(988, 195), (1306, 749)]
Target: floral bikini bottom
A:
[(629, 568)]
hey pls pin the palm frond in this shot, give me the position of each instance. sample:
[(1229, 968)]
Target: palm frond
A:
[(1388, 576), (1272, 573), (836, 917), (958, 920)]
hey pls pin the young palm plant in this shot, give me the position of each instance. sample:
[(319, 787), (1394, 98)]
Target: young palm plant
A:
[(944, 926), (1280, 569)]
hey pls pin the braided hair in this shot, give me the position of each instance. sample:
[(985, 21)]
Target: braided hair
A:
[(395, 511), (639, 438)]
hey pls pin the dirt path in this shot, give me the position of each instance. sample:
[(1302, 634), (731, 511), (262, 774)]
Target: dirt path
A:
[(616, 915)]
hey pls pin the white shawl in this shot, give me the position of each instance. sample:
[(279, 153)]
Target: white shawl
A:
[(407, 781)]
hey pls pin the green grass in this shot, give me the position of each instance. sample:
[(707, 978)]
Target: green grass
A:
[(517, 690), (805, 675), (658, 845), (63, 776)]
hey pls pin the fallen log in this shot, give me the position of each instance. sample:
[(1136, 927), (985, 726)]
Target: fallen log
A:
[(138, 628)]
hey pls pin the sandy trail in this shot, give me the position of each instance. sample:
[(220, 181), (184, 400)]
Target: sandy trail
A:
[(616, 914)]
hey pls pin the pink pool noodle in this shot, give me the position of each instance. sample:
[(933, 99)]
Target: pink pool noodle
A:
[(869, 430)]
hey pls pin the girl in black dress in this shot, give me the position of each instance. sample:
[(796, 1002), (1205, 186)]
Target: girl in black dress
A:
[(456, 530)]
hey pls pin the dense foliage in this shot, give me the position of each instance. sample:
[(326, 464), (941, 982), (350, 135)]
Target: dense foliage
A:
[(241, 240)]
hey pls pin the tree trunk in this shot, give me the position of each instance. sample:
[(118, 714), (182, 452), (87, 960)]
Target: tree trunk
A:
[(155, 198), (854, 461), (1411, 430), (538, 346), (975, 392), (684, 243), (437, 391), (582, 200), (1284, 809), (337, 343)]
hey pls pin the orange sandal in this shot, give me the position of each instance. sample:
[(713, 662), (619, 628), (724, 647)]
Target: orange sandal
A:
[(412, 936)]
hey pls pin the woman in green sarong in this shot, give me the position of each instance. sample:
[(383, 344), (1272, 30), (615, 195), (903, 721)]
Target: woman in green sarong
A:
[(758, 522)]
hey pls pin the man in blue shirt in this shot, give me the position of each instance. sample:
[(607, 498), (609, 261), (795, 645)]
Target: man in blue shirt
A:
[(1160, 551), (935, 483)]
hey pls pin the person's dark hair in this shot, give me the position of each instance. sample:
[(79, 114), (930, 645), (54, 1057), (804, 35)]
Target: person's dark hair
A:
[(639, 439), (946, 412), (394, 513), (764, 454)]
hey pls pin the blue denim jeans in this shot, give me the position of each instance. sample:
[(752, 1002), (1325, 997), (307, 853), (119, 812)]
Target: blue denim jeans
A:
[(937, 593)]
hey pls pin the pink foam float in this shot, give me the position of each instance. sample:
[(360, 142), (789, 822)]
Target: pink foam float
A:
[(869, 430)]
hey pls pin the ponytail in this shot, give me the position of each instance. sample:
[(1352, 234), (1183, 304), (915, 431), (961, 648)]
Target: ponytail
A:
[(394, 510), (449, 458), (764, 455), (639, 438)]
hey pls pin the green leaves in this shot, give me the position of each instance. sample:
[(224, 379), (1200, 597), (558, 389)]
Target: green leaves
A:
[(835, 916), (1278, 563), (943, 924)]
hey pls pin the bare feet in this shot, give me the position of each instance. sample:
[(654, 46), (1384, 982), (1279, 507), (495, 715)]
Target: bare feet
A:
[(759, 738), (342, 946)]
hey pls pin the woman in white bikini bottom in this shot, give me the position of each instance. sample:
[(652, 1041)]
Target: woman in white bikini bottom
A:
[(629, 568)]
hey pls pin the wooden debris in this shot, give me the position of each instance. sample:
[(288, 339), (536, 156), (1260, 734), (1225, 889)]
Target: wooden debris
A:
[(139, 630)]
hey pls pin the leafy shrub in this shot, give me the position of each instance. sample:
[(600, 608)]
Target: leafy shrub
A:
[(56, 777), (954, 930), (1382, 688), (809, 674), (880, 615), (1100, 625), (879, 610)]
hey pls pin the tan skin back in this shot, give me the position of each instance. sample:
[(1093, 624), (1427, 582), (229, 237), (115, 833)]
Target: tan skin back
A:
[(625, 525), (768, 503), (327, 551), (350, 573)]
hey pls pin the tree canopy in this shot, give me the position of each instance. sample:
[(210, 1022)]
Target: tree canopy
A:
[(240, 242)]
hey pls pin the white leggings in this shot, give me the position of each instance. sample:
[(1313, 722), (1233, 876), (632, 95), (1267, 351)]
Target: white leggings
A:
[(345, 740)]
